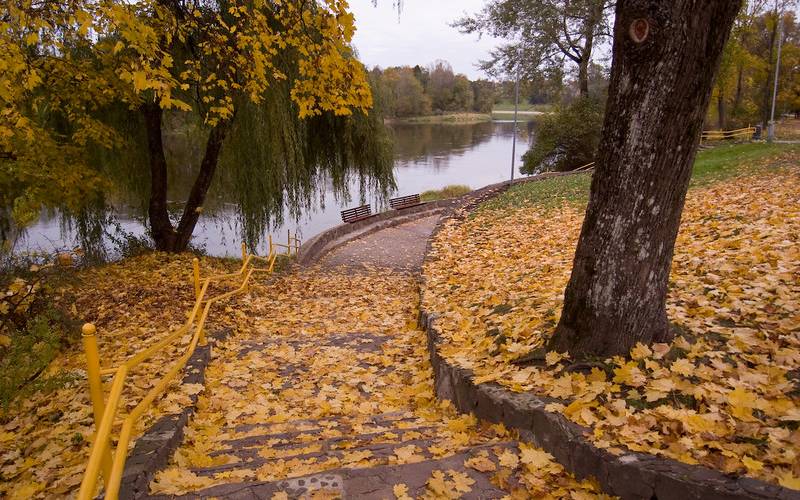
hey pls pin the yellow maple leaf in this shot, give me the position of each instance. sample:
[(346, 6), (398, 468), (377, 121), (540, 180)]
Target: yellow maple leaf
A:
[(789, 480), (481, 463), (536, 458), (640, 351), (752, 465), (742, 402), (401, 491), (461, 481), (508, 459)]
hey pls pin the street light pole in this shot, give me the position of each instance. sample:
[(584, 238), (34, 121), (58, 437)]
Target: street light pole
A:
[(771, 125), (516, 108)]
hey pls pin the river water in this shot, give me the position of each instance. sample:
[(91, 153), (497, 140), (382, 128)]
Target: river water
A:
[(427, 156)]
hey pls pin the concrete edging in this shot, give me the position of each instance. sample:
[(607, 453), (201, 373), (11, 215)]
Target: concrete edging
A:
[(312, 250), (631, 475)]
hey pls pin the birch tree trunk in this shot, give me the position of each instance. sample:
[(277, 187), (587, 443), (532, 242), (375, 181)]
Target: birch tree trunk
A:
[(665, 57)]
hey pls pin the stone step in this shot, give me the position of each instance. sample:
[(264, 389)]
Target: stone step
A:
[(362, 483), (393, 420), (290, 440), (251, 460)]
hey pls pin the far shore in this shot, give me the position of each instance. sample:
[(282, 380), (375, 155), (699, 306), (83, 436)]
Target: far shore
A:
[(446, 118)]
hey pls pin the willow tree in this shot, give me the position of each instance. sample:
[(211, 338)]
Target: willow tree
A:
[(666, 54), (274, 89)]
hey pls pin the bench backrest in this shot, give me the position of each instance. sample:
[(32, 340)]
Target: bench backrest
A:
[(404, 201), (357, 213)]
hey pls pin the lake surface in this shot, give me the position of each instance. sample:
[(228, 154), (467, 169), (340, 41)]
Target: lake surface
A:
[(427, 156)]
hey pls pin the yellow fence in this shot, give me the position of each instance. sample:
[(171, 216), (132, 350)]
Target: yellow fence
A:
[(101, 461), (718, 135)]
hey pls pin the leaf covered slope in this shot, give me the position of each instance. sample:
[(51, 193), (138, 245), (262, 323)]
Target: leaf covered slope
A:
[(45, 438), (725, 393), (329, 371)]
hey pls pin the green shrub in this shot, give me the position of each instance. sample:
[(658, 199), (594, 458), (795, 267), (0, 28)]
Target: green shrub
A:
[(452, 191), (32, 330), (566, 139)]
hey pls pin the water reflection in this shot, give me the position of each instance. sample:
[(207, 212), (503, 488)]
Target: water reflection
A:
[(428, 156)]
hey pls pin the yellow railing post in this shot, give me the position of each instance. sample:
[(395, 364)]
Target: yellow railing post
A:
[(288, 241), (270, 244), (244, 252), (196, 267), (95, 388)]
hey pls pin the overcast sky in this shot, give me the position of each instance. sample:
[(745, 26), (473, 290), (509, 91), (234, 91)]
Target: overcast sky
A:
[(420, 35)]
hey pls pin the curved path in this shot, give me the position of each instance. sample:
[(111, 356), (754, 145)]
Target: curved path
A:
[(400, 247), (326, 391)]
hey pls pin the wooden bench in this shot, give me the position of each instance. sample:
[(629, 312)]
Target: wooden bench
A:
[(356, 214), (404, 202)]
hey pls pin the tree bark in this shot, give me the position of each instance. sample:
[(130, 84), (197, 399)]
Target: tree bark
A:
[(160, 226), (583, 76), (665, 57), (737, 98), (168, 238), (197, 196), (767, 92)]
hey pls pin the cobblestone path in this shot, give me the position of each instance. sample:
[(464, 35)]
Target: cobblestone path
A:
[(325, 391), (401, 247)]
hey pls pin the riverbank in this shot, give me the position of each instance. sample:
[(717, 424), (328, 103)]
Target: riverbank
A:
[(460, 118)]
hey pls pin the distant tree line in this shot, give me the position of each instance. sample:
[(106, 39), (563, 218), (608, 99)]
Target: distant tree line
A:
[(743, 88), (553, 45), (404, 91)]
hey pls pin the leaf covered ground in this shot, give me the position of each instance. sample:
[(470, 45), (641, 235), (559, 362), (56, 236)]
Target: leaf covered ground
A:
[(328, 370), (725, 393), (45, 436)]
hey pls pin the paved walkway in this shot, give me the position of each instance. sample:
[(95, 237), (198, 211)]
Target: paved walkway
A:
[(326, 391), (401, 247)]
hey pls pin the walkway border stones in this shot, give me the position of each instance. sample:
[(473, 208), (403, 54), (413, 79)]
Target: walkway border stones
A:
[(630, 475), (312, 250), (155, 447)]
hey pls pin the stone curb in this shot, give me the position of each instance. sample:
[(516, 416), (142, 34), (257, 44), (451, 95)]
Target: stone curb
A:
[(631, 475), (312, 250), (155, 447)]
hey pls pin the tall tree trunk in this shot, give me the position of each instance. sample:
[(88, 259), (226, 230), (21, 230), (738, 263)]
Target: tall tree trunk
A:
[(766, 93), (583, 76), (722, 119), (595, 17), (160, 226), (665, 57), (197, 196), (167, 238), (737, 97)]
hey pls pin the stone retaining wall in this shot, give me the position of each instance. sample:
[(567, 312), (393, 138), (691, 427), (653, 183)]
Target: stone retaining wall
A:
[(312, 250), (629, 475)]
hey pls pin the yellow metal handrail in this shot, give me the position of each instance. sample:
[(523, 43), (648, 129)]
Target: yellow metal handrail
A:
[(292, 243), (710, 135), (101, 461)]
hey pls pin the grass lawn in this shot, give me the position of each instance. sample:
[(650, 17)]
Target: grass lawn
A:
[(508, 106), (710, 165)]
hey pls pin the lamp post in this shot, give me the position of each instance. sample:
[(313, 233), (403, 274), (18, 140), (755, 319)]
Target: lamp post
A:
[(771, 125), (516, 109)]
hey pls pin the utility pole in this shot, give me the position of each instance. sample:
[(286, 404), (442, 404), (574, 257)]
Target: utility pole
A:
[(771, 126), (516, 108)]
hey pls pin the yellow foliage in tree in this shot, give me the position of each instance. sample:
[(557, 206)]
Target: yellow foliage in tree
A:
[(62, 64)]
